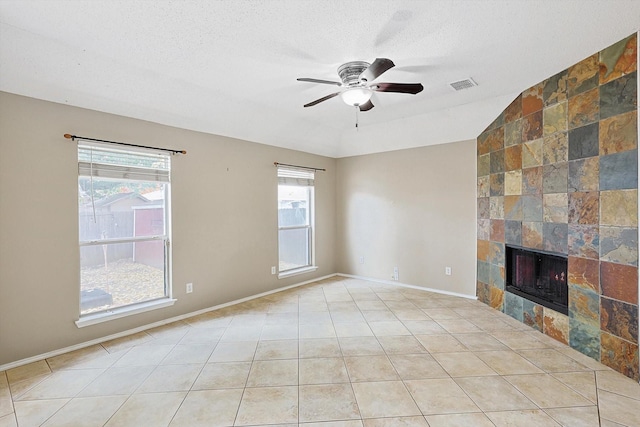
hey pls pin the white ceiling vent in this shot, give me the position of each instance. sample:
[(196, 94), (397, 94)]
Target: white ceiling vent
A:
[(463, 84)]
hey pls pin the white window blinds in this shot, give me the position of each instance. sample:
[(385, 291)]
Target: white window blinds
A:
[(292, 176), (102, 162)]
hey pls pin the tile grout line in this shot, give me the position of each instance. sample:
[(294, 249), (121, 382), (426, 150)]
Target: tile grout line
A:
[(342, 357), (385, 351), (13, 404)]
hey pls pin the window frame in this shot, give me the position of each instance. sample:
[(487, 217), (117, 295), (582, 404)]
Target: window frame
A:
[(167, 299), (310, 226)]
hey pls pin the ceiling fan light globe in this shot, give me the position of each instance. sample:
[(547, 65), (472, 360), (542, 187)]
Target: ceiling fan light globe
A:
[(356, 96)]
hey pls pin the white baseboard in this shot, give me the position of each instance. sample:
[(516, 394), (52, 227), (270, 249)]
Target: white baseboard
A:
[(79, 346), (406, 285), (216, 307)]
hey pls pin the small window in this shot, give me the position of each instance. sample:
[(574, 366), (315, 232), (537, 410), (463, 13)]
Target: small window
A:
[(123, 212), (295, 219)]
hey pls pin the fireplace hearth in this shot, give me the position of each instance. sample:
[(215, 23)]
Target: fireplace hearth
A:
[(538, 276)]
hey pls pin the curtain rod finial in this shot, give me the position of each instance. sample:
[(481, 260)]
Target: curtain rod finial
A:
[(68, 136)]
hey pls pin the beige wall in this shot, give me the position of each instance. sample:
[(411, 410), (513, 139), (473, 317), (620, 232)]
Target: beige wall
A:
[(224, 221), (411, 208), (414, 209)]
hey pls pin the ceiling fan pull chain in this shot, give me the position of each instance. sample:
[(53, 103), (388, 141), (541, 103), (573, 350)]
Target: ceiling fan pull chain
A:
[(357, 109)]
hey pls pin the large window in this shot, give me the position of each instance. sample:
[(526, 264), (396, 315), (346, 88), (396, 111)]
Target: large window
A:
[(123, 201), (295, 220)]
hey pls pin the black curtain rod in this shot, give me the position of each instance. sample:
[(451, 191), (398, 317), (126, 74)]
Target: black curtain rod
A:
[(300, 167), (74, 137)]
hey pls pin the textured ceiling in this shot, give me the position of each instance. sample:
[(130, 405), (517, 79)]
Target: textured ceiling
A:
[(230, 67)]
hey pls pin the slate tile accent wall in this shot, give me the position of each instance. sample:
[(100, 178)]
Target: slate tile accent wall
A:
[(558, 171)]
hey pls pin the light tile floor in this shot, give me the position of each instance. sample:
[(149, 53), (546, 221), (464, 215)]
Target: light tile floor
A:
[(337, 353)]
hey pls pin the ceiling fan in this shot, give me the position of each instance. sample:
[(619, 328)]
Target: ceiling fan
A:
[(357, 87)]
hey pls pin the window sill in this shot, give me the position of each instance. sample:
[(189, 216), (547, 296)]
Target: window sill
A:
[(297, 271), (117, 313)]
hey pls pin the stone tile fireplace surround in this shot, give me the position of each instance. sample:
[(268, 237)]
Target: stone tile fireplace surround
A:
[(558, 172)]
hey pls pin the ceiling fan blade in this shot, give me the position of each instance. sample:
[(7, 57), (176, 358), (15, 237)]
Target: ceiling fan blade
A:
[(324, 98), (326, 82), (366, 106), (379, 66), (411, 88)]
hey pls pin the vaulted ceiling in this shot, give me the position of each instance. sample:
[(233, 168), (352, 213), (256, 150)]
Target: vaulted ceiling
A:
[(230, 67)]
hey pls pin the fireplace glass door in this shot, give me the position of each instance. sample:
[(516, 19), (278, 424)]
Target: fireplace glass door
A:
[(538, 276)]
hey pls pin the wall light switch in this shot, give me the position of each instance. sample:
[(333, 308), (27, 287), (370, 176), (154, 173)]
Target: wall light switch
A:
[(273, 270)]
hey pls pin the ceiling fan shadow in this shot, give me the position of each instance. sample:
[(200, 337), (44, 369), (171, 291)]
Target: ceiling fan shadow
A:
[(394, 26)]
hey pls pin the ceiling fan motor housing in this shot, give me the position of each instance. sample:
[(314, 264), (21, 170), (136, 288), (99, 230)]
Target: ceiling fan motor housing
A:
[(350, 72)]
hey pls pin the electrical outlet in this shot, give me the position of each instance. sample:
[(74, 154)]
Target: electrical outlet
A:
[(447, 271), (189, 288), (361, 260), (273, 270), (396, 273)]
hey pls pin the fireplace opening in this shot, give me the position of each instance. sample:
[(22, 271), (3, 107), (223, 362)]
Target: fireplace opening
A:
[(538, 276)]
